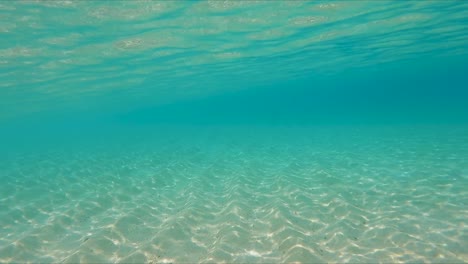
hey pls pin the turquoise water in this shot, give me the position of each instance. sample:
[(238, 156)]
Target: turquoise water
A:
[(233, 131)]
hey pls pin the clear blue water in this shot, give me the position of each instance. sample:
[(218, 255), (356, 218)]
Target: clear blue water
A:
[(233, 131)]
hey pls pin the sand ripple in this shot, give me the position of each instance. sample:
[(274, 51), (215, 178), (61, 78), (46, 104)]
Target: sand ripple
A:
[(264, 200)]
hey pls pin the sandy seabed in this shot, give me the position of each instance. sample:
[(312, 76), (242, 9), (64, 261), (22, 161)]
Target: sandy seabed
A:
[(305, 195)]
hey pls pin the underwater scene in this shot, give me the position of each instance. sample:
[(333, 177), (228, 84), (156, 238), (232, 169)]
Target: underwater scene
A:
[(234, 131)]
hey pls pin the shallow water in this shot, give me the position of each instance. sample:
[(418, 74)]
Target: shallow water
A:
[(243, 194), (240, 131)]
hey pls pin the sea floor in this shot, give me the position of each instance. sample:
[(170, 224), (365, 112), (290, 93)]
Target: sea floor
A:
[(241, 194)]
